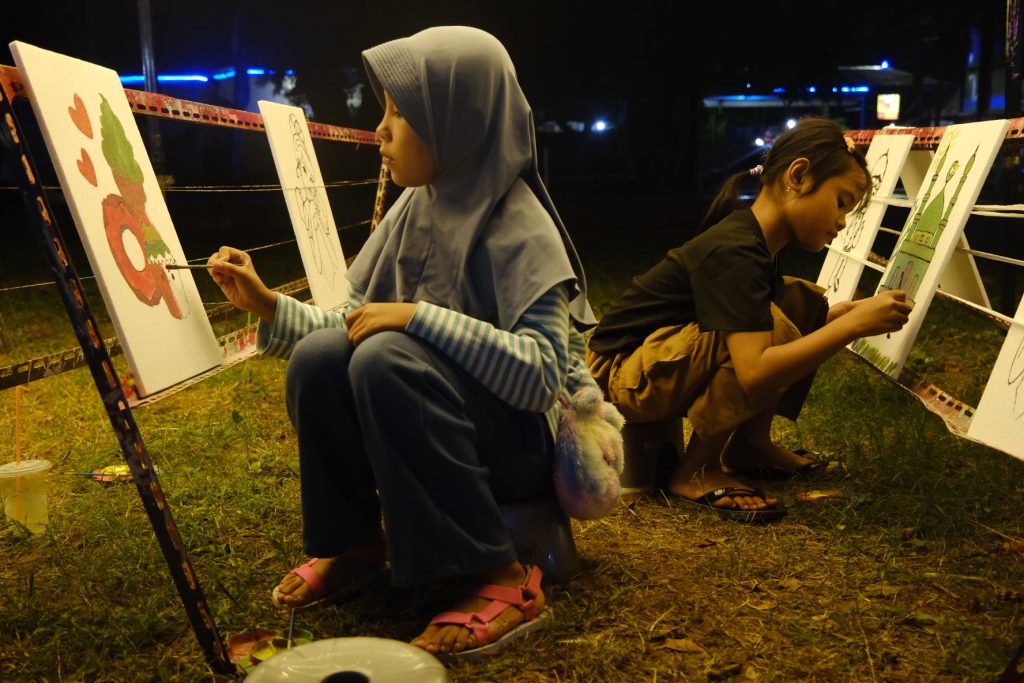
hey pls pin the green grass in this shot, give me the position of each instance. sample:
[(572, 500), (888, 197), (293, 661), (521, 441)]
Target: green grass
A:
[(910, 577)]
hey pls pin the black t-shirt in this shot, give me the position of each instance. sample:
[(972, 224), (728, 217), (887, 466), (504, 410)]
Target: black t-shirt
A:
[(724, 279)]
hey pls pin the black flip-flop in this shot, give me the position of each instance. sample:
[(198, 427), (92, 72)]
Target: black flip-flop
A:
[(708, 500)]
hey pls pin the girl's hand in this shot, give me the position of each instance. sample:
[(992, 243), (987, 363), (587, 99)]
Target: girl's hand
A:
[(234, 273), (370, 319), (885, 312), (840, 309)]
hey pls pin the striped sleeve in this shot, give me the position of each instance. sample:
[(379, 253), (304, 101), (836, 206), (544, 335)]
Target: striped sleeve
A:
[(525, 367), (579, 376), (293, 320)]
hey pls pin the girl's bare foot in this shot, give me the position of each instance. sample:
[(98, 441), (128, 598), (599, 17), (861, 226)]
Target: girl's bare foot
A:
[(751, 457)]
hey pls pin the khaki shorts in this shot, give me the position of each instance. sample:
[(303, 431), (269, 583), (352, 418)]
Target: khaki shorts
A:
[(680, 370)]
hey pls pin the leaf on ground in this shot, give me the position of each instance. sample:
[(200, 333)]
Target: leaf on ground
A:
[(763, 605), (684, 645), (791, 584), (1014, 546), (881, 590), (724, 671), (923, 619), (821, 617)]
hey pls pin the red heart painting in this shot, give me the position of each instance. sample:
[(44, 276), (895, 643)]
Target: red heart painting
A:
[(86, 168), (81, 117)]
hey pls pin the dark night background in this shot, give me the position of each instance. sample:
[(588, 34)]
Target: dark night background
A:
[(642, 66), (656, 72)]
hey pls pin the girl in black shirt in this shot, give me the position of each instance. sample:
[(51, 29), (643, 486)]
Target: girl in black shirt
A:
[(713, 332)]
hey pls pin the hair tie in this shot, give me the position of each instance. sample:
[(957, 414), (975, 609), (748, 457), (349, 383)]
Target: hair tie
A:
[(850, 144), (757, 170)]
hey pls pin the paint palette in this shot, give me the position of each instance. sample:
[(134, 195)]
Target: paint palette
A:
[(351, 659)]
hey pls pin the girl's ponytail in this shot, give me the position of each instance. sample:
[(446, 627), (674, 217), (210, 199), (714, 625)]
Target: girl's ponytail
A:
[(819, 140), (726, 201)]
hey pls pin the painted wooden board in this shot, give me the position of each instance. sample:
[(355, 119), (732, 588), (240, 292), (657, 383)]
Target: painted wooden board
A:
[(932, 231), (999, 418), (844, 261), (121, 216), (308, 207)]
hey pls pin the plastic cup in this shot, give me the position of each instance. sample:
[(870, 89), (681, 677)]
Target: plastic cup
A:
[(23, 492)]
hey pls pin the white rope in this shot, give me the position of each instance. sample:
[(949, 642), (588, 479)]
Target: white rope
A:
[(862, 261)]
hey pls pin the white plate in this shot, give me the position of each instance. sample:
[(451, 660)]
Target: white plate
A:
[(373, 660)]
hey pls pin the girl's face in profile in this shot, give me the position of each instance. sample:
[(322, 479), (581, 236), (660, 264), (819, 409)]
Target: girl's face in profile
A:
[(404, 153), (817, 218)]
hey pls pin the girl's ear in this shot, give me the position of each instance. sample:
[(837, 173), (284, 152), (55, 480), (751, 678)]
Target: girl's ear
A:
[(797, 176)]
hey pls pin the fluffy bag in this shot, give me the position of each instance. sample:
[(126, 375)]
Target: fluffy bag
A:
[(588, 456)]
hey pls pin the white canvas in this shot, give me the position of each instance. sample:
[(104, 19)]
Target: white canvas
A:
[(308, 207), (844, 261), (932, 231), (999, 419), (117, 206)]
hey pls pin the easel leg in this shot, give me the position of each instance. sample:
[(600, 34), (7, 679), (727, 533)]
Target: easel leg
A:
[(112, 394)]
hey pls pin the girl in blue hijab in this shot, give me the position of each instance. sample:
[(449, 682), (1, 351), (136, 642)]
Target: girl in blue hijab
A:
[(434, 395)]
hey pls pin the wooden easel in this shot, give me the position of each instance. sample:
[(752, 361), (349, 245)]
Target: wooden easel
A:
[(96, 353)]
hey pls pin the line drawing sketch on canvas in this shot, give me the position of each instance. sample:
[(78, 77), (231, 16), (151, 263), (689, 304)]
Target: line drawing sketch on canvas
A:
[(851, 235), (1016, 377), (312, 211)]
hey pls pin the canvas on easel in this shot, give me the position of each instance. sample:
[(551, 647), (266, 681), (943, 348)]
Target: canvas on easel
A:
[(932, 231), (308, 207), (122, 219), (999, 419), (844, 262)]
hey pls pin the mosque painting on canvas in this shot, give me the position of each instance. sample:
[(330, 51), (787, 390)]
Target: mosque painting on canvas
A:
[(932, 231)]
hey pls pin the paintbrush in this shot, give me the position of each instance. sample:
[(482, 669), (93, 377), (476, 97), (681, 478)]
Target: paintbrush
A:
[(174, 266), (291, 627)]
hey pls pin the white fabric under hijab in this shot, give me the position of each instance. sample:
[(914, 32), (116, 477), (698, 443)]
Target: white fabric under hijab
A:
[(483, 238)]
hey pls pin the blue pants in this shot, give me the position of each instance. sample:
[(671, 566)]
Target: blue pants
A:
[(393, 428)]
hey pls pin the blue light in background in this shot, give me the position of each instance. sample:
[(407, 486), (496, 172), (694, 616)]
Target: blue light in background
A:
[(166, 78), (599, 126), (746, 98), (200, 78), (171, 78), (885, 63)]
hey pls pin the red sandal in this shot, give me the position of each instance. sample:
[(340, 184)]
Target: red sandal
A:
[(501, 597)]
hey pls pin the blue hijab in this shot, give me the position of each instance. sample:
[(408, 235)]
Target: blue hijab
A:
[(483, 238)]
